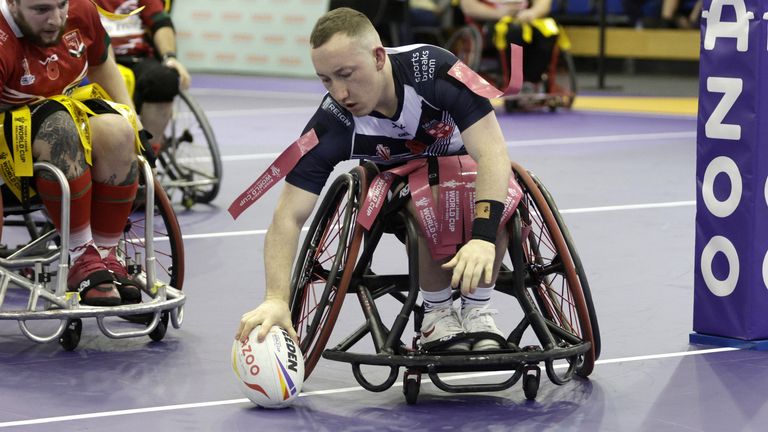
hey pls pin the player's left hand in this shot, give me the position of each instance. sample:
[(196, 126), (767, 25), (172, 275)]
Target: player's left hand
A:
[(473, 261), (525, 16), (184, 79)]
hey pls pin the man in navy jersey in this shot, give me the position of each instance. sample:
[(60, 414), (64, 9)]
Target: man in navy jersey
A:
[(391, 106)]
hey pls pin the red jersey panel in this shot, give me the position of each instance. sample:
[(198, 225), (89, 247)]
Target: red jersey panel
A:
[(30, 73), (129, 35)]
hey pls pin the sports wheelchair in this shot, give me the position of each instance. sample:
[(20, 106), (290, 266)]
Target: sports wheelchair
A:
[(543, 273), (151, 247), (472, 44)]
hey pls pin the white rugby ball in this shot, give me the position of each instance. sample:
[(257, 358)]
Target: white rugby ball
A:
[(269, 373)]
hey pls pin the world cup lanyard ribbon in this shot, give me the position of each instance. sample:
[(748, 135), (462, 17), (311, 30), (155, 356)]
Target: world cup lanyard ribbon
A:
[(441, 228), (279, 169), (481, 87)]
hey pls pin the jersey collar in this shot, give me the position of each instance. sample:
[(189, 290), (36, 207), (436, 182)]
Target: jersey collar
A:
[(9, 19)]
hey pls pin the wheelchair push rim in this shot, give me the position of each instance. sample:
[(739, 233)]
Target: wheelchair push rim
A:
[(324, 265), (553, 282)]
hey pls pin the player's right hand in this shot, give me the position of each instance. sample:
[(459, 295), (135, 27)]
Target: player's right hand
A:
[(272, 312)]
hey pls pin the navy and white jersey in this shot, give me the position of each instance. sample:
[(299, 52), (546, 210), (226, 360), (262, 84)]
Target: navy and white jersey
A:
[(433, 108)]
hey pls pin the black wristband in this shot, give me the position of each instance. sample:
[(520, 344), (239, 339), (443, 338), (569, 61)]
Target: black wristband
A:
[(149, 153), (487, 219), (169, 54)]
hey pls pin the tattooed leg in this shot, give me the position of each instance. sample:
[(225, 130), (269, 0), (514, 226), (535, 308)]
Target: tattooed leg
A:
[(58, 142), (114, 150)]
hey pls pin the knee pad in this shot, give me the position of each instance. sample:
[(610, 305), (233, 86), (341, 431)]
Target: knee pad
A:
[(158, 84)]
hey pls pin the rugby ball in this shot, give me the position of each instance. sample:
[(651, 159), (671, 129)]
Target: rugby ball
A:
[(269, 373)]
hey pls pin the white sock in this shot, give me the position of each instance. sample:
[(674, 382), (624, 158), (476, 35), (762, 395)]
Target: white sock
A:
[(104, 244), (435, 300), (480, 298), (78, 243)]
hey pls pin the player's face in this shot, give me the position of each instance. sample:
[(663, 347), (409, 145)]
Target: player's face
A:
[(42, 21), (350, 73)]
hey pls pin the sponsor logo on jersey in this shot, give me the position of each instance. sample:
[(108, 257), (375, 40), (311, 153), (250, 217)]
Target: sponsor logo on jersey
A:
[(438, 129), (416, 147), (3, 37), (383, 152), (423, 66), (332, 108), (27, 78), (51, 66), (74, 43)]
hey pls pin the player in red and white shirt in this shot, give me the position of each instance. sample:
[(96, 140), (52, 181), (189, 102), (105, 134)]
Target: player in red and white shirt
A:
[(47, 47), (146, 43)]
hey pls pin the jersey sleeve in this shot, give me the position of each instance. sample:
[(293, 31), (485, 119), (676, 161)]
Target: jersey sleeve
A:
[(153, 13), (98, 49), (465, 106), (312, 171), (462, 104)]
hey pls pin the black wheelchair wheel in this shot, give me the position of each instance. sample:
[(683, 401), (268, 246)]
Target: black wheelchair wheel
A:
[(577, 263), (552, 280), (190, 161), (466, 43), (325, 263), (168, 244)]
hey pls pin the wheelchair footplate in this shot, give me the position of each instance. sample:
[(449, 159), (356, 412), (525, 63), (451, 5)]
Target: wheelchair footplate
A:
[(523, 363)]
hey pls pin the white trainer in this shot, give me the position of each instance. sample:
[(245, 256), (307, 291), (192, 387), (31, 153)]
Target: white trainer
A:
[(479, 319), (439, 327)]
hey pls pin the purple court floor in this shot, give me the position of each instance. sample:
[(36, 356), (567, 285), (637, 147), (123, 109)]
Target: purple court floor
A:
[(626, 186)]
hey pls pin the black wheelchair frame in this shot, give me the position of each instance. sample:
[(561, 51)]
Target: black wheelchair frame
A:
[(546, 278), (158, 271)]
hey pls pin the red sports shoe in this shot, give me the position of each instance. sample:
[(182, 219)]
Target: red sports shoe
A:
[(90, 276), (129, 290)]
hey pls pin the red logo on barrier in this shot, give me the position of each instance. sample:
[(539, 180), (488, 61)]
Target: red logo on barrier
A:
[(201, 15), (231, 16), (212, 36), (226, 57), (195, 55), (257, 59), (294, 19), (289, 61), (274, 39), (261, 18), (242, 37)]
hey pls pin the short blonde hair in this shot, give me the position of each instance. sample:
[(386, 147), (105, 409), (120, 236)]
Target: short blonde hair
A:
[(342, 20)]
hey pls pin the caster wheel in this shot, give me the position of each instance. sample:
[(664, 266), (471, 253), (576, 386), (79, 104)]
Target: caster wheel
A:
[(188, 201), (411, 386), (162, 327), (70, 338), (530, 387)]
